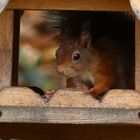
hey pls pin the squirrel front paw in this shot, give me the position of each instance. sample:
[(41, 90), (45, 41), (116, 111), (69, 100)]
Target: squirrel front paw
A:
[(48, 95), (97, 92), (81, 87)]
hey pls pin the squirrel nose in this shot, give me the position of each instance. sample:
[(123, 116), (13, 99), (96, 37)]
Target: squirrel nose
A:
[(60, 69)]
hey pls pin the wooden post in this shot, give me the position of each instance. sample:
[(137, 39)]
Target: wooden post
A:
[(7, 46), (137, 55)]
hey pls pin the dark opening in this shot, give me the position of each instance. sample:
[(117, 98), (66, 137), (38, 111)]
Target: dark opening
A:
[(40, 32)]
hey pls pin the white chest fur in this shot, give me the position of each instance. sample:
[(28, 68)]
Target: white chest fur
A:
[(86, 77)]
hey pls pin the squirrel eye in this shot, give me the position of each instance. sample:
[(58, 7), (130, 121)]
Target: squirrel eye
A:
[(76, 56)]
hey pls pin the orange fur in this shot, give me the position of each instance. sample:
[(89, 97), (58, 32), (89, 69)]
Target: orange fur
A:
[(103, 64)]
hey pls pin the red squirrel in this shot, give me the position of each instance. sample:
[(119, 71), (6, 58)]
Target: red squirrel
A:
[(96, 50), (101, 65)]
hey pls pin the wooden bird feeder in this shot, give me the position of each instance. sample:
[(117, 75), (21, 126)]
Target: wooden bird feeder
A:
[(34, 111)]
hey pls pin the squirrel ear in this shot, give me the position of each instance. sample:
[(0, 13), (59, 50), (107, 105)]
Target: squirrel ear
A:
[(85, 39), (85, 31), (85, 36)]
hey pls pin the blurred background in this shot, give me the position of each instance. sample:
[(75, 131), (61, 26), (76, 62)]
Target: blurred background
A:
[(37, 51)]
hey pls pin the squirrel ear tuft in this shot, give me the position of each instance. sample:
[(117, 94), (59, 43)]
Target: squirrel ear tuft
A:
[(85, 31), (85, 36), (85, 39)]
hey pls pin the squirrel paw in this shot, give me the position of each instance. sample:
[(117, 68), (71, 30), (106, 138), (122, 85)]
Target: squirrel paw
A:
[(48, 95), (97, 96), (81, 87)]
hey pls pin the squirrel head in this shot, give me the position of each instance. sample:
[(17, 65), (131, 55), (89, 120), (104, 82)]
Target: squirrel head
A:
[(74, 55)]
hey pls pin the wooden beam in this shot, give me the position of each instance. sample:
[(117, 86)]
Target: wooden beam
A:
[(22, 105), (31, 131), (96, 5), (137, 55), (68, 115), (7, 46), (6, 50), (68, 132)]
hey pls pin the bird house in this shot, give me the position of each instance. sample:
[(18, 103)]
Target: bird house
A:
[(39, 114)]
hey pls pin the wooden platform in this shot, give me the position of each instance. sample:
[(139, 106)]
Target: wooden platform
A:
[(34, 122), (22, 105)]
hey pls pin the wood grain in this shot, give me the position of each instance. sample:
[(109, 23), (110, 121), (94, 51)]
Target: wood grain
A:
[(68, 115), (117, 98), (22, 105), (6, 50), (96, 5), (137, 55), (24, 96)]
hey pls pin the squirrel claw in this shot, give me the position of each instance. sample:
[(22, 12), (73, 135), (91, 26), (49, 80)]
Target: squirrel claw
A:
[(48, 95), (96, 96)]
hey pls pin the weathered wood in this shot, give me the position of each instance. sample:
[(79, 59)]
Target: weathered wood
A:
[(20, 97), (68, 115), (137, 55), (9, 38), (23, 96), (98, 5), (6, 50), (112, 99), (25, 106)]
